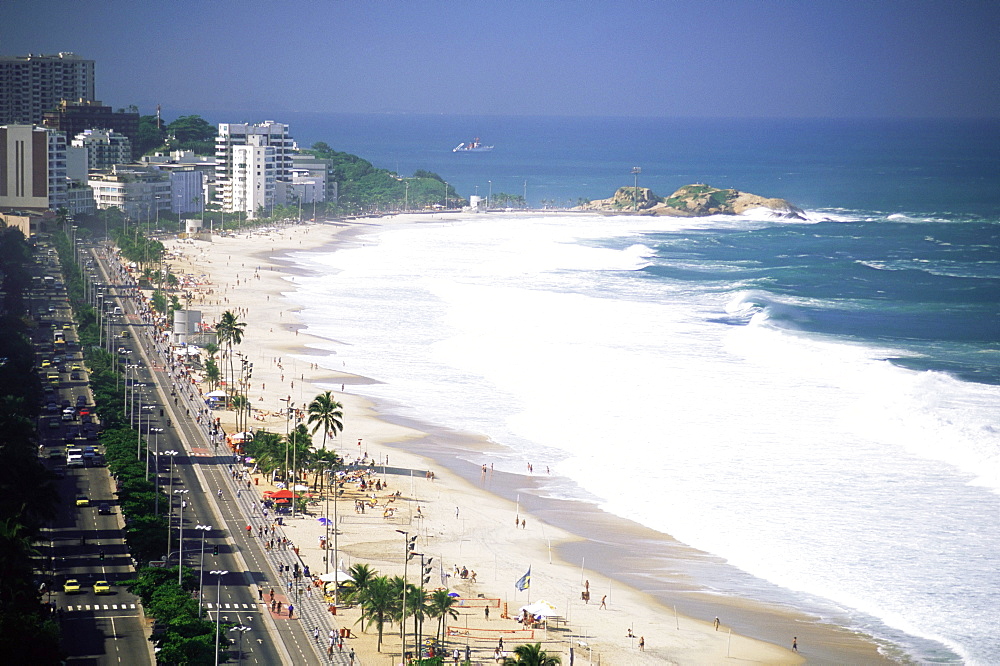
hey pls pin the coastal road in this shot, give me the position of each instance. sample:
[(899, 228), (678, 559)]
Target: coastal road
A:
[(235, 597), (84, 544)]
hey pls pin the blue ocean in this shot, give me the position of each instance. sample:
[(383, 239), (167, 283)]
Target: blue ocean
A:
[(816, 401)]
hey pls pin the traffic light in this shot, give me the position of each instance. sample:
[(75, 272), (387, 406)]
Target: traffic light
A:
[(215, 549), (102, 555)]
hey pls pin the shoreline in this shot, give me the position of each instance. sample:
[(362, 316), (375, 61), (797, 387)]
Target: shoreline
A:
[(575, 527)]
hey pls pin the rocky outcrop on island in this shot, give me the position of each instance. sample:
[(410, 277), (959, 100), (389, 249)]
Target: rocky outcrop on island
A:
[(690, 201)]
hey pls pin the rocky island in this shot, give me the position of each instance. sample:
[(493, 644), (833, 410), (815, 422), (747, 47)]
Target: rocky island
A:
[(690, 201)]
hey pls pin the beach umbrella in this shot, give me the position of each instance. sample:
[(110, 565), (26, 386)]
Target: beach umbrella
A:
[(540, 607), (454, 594), (324, 521), (283, 494)]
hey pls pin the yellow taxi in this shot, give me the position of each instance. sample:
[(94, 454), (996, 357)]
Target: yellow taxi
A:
[(82, 500), (71, 586), (102, 587)]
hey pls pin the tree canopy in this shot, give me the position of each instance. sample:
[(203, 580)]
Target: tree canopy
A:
[(362, 187)]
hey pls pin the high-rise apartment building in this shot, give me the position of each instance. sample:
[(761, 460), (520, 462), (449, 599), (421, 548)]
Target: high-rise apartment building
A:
[(76, 116), (250, 160), (33, 84), (32, 168)]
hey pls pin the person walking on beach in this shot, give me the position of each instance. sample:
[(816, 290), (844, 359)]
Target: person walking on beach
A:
[(717, 623), (642, 643), (795, 643), (604, 602)]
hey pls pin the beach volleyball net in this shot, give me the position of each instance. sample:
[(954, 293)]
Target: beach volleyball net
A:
[(484, 634), (476, 602)]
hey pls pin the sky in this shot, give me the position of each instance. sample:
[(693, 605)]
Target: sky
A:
[(667, 58)]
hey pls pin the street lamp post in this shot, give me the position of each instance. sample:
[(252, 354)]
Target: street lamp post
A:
[(408, 543), (170, 498), (239, 652), (180, 537), (205, 529), (218, 613)]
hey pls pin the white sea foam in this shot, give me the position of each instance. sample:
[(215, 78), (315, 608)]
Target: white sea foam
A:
[(802, 460)]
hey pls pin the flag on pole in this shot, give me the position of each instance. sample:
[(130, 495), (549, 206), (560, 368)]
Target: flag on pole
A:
[(524, 582)]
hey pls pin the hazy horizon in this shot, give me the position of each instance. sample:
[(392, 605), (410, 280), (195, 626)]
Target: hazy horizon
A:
[(685, 58)]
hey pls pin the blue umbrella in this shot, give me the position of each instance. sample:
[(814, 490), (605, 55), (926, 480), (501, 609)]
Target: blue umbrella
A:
[(324, 521)]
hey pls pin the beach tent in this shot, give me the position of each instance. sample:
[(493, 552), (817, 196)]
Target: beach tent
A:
[(336, 577), (539, 608), (241, 436), (216, 394), (301, 488)]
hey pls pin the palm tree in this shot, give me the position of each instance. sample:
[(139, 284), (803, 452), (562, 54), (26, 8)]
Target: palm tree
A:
[(326, 413), (229, 332), (416, 607), (300, 448), (361, 576), (441, 606), (321, 461), (379, 603), (531, 655)]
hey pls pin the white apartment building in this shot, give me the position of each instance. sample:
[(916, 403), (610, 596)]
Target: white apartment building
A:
[(253, 178), (139, 193), (249, 161), (105, 148), (32, 168), (318, 167), (33, 84)]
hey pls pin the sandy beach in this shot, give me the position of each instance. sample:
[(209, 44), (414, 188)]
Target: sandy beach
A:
[(470, 516)]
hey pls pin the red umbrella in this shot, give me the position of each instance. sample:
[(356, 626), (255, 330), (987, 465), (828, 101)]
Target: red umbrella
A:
[(283, 494)]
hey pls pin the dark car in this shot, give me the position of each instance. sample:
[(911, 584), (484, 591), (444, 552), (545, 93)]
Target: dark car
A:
[(104, 508)]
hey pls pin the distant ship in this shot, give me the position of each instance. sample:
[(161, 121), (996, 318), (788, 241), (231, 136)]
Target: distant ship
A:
[(471, 147)]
